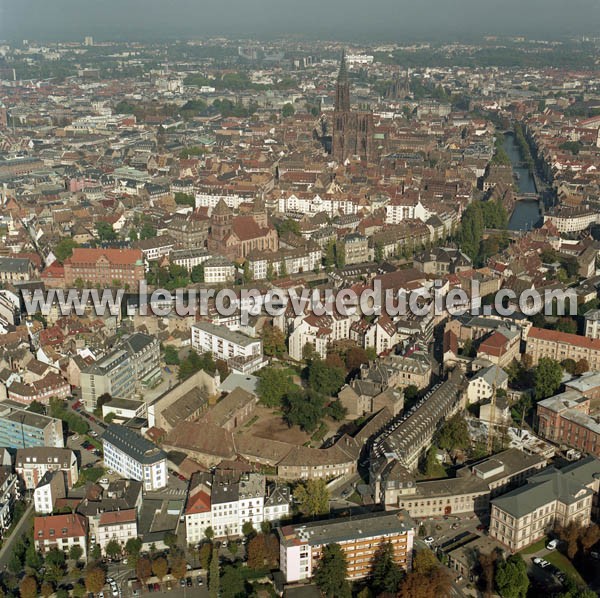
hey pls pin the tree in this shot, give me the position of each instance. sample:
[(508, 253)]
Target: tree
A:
[(79, 590), (248, 528), (340, 255), (113, 549), (330, 573), (324, 379), (170, 539), (511, 577), (570, 535), (256, 552), (416, 585), (329, 259), (547, 378), (55, 564), (75, 552), (454, 434), (28, 587), (160, 567), (197, 274), (178, 566), (95, 579), (273, 384), (386, 573), (425, 562), (312, 497), (355, 357), (232, 582), (487, 563), (288, 110), (273, 341), (133, 546), (105, 231), (143, 569), (566, 324), (336, 410), (303, 409), (411, 393), (214, 582), (33, 558), (581, 367), (204, 554), (590, 536), (47, 589), (171, 355), (64, 249), (96, 552)]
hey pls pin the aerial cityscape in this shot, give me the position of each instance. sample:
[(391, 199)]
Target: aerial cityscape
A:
[(300, 312)]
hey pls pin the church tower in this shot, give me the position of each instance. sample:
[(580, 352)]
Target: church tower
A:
[(342, 89)]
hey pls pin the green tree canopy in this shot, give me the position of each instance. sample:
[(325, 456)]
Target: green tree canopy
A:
[(511, 577), (330, 573), (547, 378), (312, 497)]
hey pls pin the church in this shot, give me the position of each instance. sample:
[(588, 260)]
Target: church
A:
[(236, 236), (352, 130)]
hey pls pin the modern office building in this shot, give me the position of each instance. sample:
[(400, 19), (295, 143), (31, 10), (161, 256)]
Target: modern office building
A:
[(134, 457)]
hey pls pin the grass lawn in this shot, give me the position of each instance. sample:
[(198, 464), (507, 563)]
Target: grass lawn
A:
[(539, 545), (564, 564), (355, 497)]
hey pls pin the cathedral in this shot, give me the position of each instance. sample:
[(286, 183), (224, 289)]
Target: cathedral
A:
[(352, 130)]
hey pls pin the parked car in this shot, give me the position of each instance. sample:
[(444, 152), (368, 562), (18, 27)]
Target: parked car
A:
[(429, 540), (104, 481), (552, 545), (542, 563), (75, 437), (188, 582), (110, 472), (200, 582), (93, 433)]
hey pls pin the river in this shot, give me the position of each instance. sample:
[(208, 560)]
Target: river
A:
[(526, 214)]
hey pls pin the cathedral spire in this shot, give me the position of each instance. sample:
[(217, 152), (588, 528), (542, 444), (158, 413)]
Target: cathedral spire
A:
[(342, 90)]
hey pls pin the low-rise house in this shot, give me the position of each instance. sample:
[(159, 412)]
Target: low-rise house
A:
[(485, 382), (117, 525), (51, 488)]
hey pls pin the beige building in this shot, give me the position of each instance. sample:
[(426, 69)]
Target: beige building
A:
[(554, 497), (562, 345)]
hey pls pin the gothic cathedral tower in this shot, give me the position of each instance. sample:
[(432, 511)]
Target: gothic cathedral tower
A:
[(352, 131)]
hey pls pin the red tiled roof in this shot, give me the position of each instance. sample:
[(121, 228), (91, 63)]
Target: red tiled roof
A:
[(59, 526), (564, 337), (114, 256)]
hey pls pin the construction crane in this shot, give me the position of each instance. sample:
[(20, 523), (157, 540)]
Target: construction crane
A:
[(490, 438)]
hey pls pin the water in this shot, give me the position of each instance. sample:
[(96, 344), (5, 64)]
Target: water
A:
[(526, 214)]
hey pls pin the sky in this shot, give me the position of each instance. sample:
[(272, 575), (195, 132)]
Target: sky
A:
[(360, 20)]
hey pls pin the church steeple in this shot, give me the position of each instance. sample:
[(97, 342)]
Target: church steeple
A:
[(342, 89)]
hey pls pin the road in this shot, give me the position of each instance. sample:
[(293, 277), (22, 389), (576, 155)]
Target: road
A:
[(18, 532)]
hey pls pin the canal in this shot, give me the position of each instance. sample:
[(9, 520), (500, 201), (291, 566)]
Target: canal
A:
[(526, 214)]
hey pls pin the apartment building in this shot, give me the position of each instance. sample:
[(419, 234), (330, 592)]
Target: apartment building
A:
[(226, 500), (51, 487), (562, 345), (360, 537), (24, 429), (155, 248), (219, 270), (133, 457), (290, 261), (356, 249), (60, 531), (592, 324), (189, 258), (105, 267), (32, 464), (134, 363), (525, 515), (117, 525), (9, 493), (228, 345)]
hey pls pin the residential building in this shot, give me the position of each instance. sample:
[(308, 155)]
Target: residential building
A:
[(60, 531), (189, 258), (442, 261), (134, 457), (359, 536), (356, 249), (9, 493), (20, 428), (155, 248), (134, 363), (52, 385), (120, 525), (51, 487), (592, 324), (485, 382), (219, 270), (226, 500), (228, 345), (32, 464)]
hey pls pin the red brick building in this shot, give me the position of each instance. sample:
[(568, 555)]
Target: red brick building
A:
[(105, 267)]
